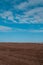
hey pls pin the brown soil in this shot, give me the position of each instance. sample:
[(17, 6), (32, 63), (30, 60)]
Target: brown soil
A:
[(21, 54)]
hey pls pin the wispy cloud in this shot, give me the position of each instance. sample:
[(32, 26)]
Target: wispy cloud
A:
[(32, 11), (8, 15), (33, 16), (5, 28), (29, 4), (22, 6), (8, 29)]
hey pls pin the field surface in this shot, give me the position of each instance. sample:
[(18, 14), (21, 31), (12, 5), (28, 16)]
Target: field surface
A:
[(21, 54)]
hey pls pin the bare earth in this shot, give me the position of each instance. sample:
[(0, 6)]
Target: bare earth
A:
[(21, 54)]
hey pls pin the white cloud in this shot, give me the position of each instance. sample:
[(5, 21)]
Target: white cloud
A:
[(29, 3), (33, 16), (36, 12), (8, 15), (37, 18), (5, 14), (5, 28), (22, 5), (35, 2)]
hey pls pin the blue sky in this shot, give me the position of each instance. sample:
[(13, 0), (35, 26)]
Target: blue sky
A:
[(21, 20)]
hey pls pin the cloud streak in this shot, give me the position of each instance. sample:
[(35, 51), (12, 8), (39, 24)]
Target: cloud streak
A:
[(5, 28), (8, 29)]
